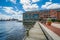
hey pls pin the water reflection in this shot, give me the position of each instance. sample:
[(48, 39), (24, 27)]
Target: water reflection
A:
[(11, 30), (28, 25)]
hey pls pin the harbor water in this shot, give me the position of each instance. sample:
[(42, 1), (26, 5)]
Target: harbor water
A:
[(11, 30)]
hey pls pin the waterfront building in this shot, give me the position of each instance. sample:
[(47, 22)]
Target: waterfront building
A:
[(31, 16), (42, 14), (55, 14)]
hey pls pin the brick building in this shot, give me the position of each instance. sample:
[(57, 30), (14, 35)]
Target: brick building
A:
[(35, 15), (42, 14), (58, 15), (55, 14)]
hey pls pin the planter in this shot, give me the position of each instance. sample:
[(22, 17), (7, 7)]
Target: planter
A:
[(48, 23)]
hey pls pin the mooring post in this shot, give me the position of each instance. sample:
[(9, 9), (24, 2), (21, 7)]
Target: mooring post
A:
[(27, 32)]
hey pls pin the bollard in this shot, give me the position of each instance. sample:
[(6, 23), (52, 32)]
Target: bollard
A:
[(27, 32)]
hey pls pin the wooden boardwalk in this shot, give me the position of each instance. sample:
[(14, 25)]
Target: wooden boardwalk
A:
[(36, 33)]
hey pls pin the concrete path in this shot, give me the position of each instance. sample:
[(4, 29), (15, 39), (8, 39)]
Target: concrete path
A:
[(56, 25), (36, 33)]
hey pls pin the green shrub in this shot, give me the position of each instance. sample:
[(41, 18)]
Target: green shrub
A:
[(49, 20), (55, 20), (58, 20)]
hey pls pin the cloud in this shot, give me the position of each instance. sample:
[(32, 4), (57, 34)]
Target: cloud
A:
[(46, 5), (13, 1), (25, 2), (53, 6), (2, 16), (11, 11), (8, 10), (50, 5), (19, 17), (19, 12), (15, 14), (35, 0), (28, 6)]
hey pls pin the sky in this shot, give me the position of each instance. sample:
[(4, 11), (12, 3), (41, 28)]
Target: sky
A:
[(15, 8)]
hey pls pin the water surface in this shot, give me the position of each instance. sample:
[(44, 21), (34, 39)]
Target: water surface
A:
[(11, 30)]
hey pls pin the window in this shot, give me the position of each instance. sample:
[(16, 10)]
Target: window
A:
[(26, 16), (35, 16), (53, 17)]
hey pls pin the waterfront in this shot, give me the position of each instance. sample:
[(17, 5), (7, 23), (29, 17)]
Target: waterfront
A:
[(11, 30)]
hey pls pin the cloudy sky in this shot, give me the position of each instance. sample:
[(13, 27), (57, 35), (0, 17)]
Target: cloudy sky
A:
[(15, 8)]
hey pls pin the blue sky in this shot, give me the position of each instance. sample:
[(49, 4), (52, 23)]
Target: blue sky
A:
[(15, 8)]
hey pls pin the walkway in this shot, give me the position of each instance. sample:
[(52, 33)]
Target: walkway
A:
[(52, 31), (57, 25), (36, 33)]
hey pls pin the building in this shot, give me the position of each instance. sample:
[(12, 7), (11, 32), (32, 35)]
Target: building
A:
[(32, 16), (55, 14), (58, 15)]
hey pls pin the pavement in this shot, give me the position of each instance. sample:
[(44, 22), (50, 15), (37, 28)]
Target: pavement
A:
[(36, 33), (57, 25), (54, 32), (54, 29)]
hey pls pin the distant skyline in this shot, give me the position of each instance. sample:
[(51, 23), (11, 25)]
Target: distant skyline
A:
[(15, 8)]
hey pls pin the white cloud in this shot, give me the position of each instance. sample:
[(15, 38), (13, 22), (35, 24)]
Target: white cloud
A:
[(11, 11), (28, 6), (13, 1), (19, 17), (25, 1), (53, 6), (47, 4), (50, 5), (15, 14), (19, 12), (2, 16), (35, 0), (8, 10)]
